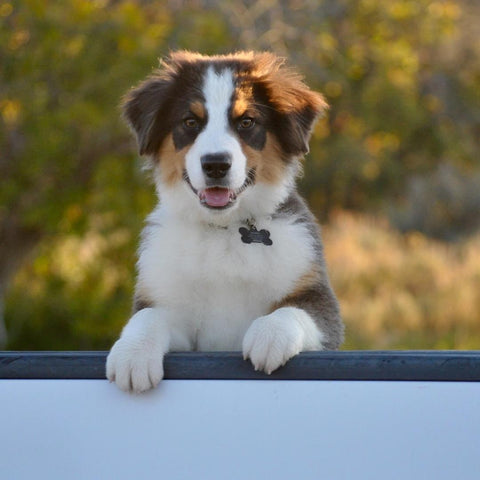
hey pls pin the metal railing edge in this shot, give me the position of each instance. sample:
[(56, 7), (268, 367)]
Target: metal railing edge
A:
[(420, 365)]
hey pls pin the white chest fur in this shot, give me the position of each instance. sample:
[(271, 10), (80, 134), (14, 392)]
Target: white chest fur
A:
[(212, 284)]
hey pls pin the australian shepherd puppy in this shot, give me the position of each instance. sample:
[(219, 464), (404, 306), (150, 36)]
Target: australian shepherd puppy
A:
[(231, 258)]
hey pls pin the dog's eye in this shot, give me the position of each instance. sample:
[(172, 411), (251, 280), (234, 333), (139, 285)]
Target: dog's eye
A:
[(245, 123), (190, 123)]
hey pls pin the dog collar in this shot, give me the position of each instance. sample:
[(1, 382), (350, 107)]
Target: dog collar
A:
[(250, 234)]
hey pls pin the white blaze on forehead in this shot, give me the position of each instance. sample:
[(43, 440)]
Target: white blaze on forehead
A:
[(217, 136), (218, 91)]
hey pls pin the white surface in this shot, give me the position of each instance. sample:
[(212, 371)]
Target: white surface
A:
[(88, 429)]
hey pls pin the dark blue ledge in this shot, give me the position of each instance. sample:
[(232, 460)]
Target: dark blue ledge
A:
[(455, 366)]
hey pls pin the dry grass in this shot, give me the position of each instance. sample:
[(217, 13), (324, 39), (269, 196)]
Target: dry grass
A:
[(403, 291)]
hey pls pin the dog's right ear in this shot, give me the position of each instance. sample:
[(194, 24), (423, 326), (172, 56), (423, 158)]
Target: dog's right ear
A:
[(146, 107)]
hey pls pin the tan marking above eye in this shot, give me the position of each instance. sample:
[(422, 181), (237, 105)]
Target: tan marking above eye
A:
[(198, 109), (240, 107)]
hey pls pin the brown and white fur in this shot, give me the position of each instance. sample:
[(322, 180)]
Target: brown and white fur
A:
[(225, 136)]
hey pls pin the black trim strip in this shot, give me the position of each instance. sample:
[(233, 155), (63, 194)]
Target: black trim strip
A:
[(456, 366)]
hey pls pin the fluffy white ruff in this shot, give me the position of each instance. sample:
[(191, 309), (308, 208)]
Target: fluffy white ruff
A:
[(213, 289)]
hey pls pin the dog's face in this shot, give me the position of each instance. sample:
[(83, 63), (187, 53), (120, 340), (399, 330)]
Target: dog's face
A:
[(219, 125)]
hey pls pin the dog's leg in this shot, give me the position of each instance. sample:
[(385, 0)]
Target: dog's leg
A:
[(307, 319), (275, 338), (135, 362)]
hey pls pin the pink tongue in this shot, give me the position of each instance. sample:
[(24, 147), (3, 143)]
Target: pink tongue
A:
[(216, 196)]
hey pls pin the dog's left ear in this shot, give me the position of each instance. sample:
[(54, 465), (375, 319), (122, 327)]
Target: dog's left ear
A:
[(298, 119), (296, 107)]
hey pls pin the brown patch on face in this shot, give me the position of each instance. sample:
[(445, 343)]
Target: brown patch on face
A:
[(306, 283), (198, 109), (291, 107), (268, 164), (172, 162), (243, 101), (239, 108), (284, 86)]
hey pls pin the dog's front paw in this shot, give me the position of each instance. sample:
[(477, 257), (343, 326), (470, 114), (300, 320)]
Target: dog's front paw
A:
[(134, 366), (135, 362), (273, 339)]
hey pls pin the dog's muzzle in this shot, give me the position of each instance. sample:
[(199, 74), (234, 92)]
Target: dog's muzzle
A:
[(217, 196)]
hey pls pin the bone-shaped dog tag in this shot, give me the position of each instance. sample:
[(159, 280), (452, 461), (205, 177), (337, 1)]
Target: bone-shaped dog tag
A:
[(253, 235)]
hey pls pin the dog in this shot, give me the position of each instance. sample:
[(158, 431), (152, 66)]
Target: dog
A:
[(231, 258)]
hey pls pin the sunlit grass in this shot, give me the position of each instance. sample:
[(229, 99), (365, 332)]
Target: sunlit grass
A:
[(403, 291)]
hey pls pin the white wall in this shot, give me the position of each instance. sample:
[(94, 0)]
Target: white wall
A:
[(212, 429)]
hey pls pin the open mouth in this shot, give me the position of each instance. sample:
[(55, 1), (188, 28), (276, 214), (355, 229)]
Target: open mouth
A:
[(218, 197)]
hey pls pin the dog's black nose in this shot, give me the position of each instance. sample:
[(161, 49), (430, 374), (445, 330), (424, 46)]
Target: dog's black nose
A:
[(216, 165)]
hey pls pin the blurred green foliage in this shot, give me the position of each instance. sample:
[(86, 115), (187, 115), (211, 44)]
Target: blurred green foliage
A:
[(402, 78)]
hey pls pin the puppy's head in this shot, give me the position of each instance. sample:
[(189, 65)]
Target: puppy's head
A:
[(218, 125)]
